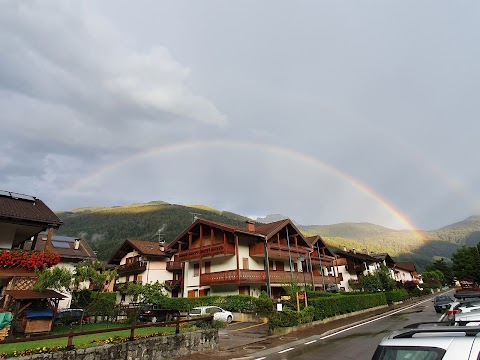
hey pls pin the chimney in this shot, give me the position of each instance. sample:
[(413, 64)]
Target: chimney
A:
[(250, 225), (76, 246)]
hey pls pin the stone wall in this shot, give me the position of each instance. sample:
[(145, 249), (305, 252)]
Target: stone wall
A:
[(144, 349)]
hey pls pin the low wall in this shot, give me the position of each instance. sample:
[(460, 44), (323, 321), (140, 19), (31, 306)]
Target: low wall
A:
[(249, 317), (287, 330), (143, 349)]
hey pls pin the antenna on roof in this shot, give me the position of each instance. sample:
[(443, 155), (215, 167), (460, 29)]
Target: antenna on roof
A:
[(161, 235), (195, 216)]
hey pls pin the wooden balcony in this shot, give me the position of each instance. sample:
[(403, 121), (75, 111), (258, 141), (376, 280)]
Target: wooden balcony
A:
[(175, 266), (260, 277), (326, 261), (207, 251), (276, 251), (174, 284), (132, 268)]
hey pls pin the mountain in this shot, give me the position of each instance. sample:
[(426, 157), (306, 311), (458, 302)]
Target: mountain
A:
[(105, 228)]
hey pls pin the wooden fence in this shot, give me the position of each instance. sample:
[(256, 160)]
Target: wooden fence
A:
[(71, 334)]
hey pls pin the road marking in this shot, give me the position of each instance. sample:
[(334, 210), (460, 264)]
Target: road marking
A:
[(310, 342), (248, 327), (289, 349), (261, 358), (370, 321)]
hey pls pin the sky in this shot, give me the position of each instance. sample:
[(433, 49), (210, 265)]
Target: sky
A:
[(322, 111)]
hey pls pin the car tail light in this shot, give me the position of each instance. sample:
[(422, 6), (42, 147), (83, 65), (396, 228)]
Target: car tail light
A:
[(87, 318), (453, 312), (148, 312)]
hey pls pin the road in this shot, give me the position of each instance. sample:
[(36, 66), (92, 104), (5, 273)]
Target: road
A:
[(354, 342)]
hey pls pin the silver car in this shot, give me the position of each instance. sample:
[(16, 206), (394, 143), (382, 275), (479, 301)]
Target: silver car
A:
[(431, 343)]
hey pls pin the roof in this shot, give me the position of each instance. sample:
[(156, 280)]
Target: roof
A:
[(146, 248), (317, 239), (407, 265), (263, 231), (25, 208), (357, 255), (384, 257), (32, 294), (64, 246)]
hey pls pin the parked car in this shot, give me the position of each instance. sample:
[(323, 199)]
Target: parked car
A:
[(434, 342), (154, 313), (460, 306), (70, 316), (442, 303), (217, 312)]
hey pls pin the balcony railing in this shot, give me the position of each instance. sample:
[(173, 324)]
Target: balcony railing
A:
[(136, 267), (276, 251), (174, 284), (175, 266), (206, 251), (259, 276)]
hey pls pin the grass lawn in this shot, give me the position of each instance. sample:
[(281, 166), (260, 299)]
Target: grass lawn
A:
[(84, 341)]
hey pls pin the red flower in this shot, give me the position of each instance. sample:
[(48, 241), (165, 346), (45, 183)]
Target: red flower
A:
[(28, 259)]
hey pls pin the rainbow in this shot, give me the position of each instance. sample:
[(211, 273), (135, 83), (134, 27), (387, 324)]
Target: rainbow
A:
[(272, 149)]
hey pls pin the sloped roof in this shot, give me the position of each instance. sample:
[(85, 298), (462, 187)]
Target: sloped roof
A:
[(384, 257), (263, 231), (145, 248), (83, 252), (32, 294), (357, 255), (406, 265), (313, 240), (18, 209)]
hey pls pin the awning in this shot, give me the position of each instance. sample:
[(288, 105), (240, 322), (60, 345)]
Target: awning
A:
[(31, 294)]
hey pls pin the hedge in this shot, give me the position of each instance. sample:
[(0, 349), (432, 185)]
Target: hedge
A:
[(236, 303), (396, 295), (326, 307)]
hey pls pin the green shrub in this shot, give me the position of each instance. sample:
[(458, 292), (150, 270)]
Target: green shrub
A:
[(396, 295), (286, 318), (326, 307)]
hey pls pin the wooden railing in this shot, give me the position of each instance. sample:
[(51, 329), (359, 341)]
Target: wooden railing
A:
[(278, 251), (136, 267), (206, 251), (174, 284), (259, 276), (175, 266)]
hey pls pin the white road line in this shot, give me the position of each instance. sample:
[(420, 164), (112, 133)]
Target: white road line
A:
[(368, 322), (261, 358), (310, 342), (289, 349)]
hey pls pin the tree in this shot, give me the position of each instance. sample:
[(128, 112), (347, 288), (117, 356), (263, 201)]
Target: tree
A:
[(148, 293), (442, 266), (381, 280), (466, 261), (83, 275)]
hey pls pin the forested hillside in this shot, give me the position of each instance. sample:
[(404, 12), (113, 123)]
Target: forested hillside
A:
[(106, 228)]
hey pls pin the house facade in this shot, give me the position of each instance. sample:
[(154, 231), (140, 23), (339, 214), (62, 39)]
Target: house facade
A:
[(72, 250), (351, 264), (221, 259), (22, 217), (406, 271), (144, 262)]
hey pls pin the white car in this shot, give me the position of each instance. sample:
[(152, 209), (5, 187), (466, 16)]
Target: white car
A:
[(217, 312), (462, 307), (438, 342)]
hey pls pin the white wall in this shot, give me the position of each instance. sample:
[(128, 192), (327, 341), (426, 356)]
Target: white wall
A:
[(7, 235)]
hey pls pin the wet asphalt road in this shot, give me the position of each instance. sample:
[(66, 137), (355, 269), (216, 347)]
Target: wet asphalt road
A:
[(357, 342)]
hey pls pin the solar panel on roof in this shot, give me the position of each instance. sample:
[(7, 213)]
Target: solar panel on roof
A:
[(22, 196), (63, 238), (60, 245)]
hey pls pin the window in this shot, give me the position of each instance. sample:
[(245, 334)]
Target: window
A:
[(196, 269), (407, 353), (207, 267), (245, 263), (280, 266)]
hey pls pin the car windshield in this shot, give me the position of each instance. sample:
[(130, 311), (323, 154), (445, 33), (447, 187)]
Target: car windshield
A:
[(406, 352)]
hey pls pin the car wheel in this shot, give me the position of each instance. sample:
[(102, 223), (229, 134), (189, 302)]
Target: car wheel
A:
[(229, 319)]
